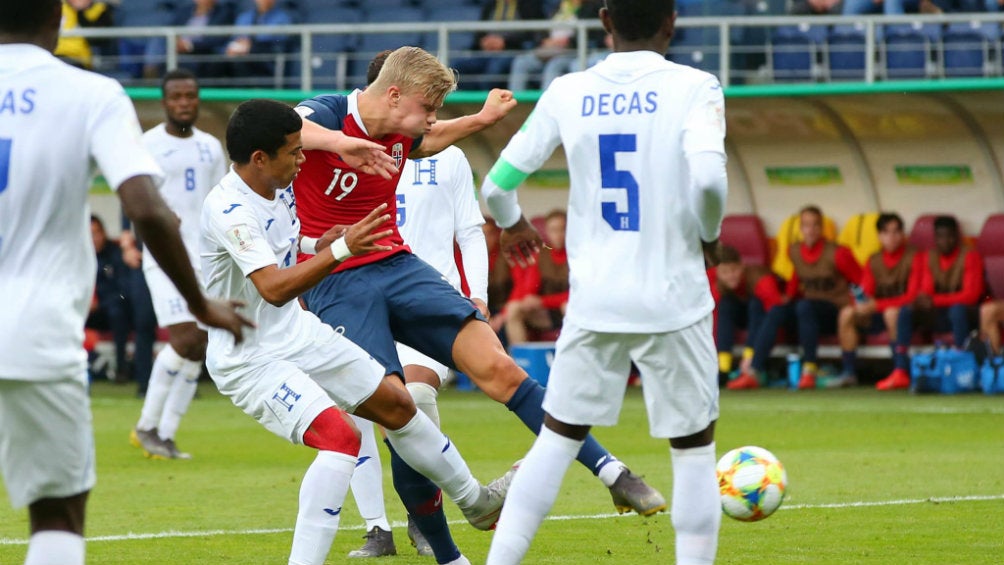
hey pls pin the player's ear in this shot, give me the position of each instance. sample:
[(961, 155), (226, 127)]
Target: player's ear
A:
[(394, 95), (259, 158)]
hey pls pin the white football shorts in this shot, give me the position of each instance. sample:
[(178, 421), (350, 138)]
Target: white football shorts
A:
[(679, 372), (46, 439), (409, 356), (168, 303), (285, 394)]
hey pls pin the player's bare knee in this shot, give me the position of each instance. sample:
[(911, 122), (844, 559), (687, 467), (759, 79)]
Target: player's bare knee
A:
[(190, 344), (59, 514), (397, 408), (499, 377)]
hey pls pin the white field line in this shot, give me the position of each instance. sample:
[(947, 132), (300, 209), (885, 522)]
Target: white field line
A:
[(208, 533)]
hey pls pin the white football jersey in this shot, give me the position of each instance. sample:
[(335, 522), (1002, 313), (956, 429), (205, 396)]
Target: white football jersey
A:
[(192, 166), (241, 232), (634, 248), (435, 200), (54, 119)]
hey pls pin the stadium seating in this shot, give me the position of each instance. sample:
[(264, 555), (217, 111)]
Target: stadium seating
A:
[(794, 52), (459, 40), (967, 48), (990, 244), (845, 52), (860, 235), (372, 43), (745, 232), (907, 49)]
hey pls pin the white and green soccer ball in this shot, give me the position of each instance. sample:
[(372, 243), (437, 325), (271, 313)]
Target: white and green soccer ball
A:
[(752, 483)]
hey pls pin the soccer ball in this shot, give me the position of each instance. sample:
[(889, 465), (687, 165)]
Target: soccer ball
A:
[(752, 483)]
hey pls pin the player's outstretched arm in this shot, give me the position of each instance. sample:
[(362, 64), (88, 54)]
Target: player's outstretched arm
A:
[(157, 225), (520, 243), (279, 286), (447, 132), (366, 156)]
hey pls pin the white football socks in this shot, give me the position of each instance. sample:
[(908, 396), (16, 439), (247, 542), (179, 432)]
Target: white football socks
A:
[(52, 547), (165, 367), (697, 507), (428, 451), (367, 480), (322, 493), (424, 396), (531, 496), (179, 398)]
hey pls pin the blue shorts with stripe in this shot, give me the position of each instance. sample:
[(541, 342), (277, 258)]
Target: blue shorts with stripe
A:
[(400, 298)]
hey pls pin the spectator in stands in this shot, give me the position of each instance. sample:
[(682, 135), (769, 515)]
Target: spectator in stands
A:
[(743, 295), (890, 280), (991, 316), (818, 289), (555, 55), (201, 49), (491, 67), (951, 287), (816, 7), (252, 56), (77, 51), (111, 311), (540, 291)]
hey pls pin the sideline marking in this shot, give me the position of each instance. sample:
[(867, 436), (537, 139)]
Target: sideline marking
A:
[(400, 524)]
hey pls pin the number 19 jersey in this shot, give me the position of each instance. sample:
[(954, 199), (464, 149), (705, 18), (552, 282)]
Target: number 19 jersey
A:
[(627, 125), (329, 192)]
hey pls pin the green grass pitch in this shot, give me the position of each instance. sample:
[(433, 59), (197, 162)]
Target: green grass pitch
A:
[(873, 479)]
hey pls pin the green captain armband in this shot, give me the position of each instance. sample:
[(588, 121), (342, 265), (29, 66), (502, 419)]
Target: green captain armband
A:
[(506, 176)]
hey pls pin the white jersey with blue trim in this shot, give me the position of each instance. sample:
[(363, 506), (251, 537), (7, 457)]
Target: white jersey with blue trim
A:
[(54, 120), (192, 166), (241, 232), (633, 236), (435, 200)]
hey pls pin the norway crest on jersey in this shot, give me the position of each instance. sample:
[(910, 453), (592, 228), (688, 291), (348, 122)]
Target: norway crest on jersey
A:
[(397, 152)]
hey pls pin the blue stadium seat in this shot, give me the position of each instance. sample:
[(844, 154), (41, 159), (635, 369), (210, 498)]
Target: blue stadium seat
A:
[(793, 51), (845, 52), (700, 46), (142, 13), (967, 48), (372, 43), (137, 52), (459, 40), (429, 5), (907, 49), (331, 53)]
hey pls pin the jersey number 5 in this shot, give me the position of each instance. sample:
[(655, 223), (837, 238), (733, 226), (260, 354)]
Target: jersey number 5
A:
[(4, 162), (613, 178)]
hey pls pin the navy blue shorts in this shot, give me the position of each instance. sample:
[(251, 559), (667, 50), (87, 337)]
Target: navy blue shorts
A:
[(400, 298)]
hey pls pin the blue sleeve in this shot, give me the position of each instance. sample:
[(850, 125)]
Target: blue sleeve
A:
[(329, 110)]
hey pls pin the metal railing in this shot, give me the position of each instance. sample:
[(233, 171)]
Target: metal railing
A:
[(295, 65)]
